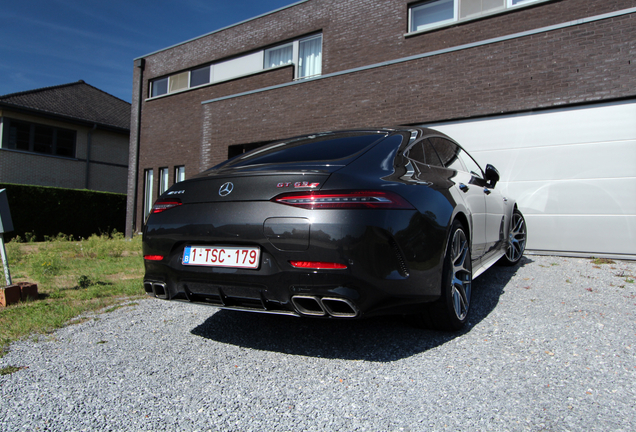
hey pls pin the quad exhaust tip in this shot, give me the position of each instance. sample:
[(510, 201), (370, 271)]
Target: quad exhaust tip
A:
[(305, 305), (322, 306), (156, 289)]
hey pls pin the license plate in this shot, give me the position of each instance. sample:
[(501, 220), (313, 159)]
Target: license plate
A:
[(222, 256)]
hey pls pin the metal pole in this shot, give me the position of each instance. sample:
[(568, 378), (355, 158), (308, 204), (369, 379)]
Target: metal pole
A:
[(5, 263)]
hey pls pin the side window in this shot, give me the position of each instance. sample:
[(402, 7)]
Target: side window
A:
[(471, 165), (448, 153), (430, 154), (416, 153)]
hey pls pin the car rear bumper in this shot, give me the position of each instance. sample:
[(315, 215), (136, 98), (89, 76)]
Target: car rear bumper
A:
[(393, 260)]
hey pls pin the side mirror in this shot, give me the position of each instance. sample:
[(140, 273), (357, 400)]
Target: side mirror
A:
[(492, 175)]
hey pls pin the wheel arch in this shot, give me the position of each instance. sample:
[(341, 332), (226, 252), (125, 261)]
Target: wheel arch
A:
[(465, 223)]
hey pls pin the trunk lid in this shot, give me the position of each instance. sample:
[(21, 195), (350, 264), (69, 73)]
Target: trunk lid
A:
[(248, 184)]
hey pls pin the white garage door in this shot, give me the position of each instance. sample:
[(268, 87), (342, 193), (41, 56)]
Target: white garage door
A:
[(572, 172)]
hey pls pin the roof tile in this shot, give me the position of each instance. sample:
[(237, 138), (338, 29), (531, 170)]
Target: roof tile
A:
[(76, 100)]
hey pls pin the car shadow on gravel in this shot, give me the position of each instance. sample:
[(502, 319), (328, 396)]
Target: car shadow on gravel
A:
[(381, 339)]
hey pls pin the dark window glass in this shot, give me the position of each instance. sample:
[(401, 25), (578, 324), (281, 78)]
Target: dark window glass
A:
[(19, 135), (200, 76), (39, 138), (320, 147), (448, 153), (65, 145), (159, 87), (431, 155), (43, 139), (417, 153)]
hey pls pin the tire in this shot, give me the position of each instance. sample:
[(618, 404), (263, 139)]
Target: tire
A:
[(450, 311), (516, 240)]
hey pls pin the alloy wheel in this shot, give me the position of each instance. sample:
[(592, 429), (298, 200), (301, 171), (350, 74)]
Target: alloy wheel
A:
[(462, 274), (517, 238)]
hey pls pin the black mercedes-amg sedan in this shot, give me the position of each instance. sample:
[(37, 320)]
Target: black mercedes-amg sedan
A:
[(344, 224)]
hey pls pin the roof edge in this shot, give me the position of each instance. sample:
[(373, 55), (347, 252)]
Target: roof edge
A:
[(222, 29), (25, 92), (56, 116), (41, 89)]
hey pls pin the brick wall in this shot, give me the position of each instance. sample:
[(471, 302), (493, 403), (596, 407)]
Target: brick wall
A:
[(361, 32), (587, 62), (579, 64), (34, 169)]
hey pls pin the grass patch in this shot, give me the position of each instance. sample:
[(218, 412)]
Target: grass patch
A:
[(8, 370), (599, 261), (73, 277)]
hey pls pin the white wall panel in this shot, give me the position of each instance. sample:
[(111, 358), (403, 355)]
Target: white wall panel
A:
[(571, 161), (237, 67), (590, 235), (614, 197), (572, 172)]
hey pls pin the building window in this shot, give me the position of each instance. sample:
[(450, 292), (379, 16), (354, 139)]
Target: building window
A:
[(149, 180), (435, 13), (179, 174), (159, 87), (475, 8), (38, 138), (306, 54), (279, 56), (164, 180), (179, 82), (200, 76), (310, 57), (432, 13)]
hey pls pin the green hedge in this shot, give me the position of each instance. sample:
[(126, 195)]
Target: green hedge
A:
[(48, 211)]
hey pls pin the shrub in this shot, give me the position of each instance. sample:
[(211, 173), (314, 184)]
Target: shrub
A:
[(39, 211)]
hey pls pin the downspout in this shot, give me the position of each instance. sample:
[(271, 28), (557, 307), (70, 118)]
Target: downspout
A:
[(140, 63), (88, 154)]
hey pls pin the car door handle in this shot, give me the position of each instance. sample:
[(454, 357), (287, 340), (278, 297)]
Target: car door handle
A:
[(487, 191), (463, 187)]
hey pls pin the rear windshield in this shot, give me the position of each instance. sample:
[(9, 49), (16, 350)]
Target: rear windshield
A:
[(313, 148)]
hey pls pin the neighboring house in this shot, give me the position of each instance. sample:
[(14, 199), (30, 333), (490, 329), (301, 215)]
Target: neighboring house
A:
[(543, 89), (72, 136)]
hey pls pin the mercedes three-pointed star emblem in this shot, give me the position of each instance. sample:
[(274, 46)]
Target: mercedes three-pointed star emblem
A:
[(226, 189)]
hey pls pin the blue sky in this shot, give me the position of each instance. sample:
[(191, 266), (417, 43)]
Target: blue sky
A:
[(52, 42)]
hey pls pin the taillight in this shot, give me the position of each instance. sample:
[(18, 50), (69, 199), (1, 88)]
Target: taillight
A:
[(162, 205), (317, 265), (344, 200), (153, 257)]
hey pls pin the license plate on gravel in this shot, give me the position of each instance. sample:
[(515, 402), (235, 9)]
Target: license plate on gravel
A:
[(222, 256)]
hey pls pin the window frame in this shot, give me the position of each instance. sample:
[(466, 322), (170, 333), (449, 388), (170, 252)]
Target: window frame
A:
[(164, 180), (210, 73), (298, 65), (163, 86), (508, 6), (437, 23), (155, 82), (267, 51), (295, 55), (179, 173), (149, 180), (31, 145)]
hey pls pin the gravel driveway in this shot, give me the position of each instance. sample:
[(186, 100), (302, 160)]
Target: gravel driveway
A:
[(550, 346)]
